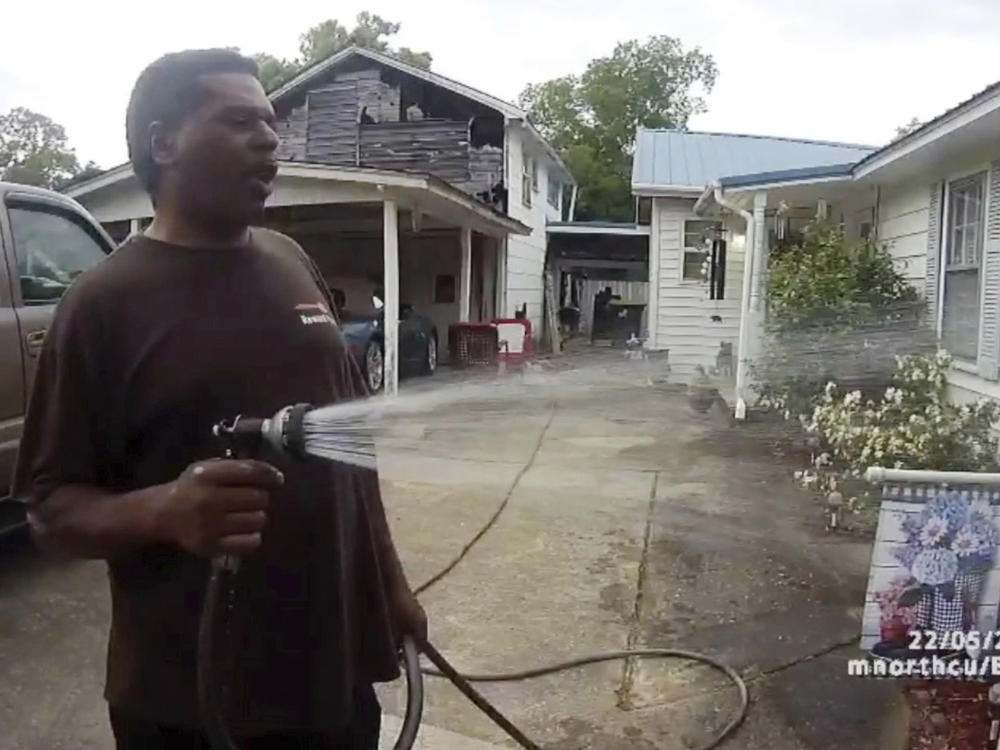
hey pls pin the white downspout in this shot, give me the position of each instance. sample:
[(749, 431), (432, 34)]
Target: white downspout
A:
[(572, 204), (748, 262)]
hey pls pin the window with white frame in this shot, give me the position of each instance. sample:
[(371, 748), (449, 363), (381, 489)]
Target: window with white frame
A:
[(698, 237), (555, 192), (962, 254), (526, 172)]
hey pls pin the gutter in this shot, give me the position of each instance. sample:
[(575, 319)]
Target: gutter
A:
[(749, 261), (665, 191)]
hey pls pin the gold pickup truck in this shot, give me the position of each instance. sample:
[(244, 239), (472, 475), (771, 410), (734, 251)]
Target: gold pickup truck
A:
[(46, 241)]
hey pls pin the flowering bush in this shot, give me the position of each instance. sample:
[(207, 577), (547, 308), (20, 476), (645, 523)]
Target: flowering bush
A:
[(911, 425)]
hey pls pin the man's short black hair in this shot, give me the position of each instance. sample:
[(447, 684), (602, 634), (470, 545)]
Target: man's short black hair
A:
[(167, 91)]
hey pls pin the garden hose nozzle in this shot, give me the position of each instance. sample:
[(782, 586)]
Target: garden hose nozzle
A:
[(248, 437)]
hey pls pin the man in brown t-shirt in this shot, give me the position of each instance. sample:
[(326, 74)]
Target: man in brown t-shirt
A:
[(192, 322)]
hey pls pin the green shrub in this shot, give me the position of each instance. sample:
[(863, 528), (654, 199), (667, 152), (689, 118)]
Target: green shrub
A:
[(835, 311), (828, 282)]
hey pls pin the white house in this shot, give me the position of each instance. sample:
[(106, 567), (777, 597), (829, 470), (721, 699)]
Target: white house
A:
[(698, 318), (932, 197), (398, 178)]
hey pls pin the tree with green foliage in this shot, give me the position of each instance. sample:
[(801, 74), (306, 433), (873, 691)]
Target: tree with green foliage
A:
[(904, 130), (34, 150), (326, 38), (592, 118), (275, 71)]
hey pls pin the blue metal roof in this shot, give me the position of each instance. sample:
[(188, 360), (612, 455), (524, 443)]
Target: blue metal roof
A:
[(672, 158)]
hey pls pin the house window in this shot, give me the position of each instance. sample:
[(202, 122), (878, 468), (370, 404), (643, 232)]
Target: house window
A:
[(555, 192), (698, 237), (963, 253), (534, 176), (526, 172), (444, 289)]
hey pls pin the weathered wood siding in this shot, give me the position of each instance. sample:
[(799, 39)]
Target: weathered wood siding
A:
[(439, 147), (485, 168), (379, 100), (327, 129), (291, 132), (332, 131)]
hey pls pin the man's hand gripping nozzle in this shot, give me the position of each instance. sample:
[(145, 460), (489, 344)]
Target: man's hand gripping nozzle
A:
[(256, 437)]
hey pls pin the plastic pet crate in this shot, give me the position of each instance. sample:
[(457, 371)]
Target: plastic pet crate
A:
[(473, 344), (514, 340)]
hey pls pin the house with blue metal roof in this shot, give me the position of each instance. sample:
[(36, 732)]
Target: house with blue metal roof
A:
[(718, 203), (697, 266)]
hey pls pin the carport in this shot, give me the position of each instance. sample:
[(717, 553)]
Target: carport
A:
[(586, 257), (413, 236)]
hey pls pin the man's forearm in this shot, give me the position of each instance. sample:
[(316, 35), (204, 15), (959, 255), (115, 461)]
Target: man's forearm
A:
[(84, 521)]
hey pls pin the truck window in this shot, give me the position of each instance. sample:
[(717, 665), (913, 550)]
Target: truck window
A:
[(52, 248)]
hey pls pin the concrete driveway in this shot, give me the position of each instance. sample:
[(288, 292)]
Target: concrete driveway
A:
[(629, 521)]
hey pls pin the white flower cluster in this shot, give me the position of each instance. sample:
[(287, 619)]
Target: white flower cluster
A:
[(912, 424)]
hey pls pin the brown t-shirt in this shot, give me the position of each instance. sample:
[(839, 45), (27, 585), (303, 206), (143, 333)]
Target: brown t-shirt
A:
[(146, 352)]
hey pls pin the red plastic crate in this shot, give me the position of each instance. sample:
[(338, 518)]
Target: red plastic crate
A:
[(514, 339)]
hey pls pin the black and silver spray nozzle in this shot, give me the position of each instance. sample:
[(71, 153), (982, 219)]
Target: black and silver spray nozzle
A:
[(249, 436)]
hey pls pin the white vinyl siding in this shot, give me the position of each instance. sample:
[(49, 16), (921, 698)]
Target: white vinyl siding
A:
[(526, 254), (902, 227), (913, 222), (684, 313)]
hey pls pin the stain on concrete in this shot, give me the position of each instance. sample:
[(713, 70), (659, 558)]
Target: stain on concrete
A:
[(618, 598)]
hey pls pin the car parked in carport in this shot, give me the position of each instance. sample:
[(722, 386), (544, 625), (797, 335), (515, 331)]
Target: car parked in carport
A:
[(46, 241), (365, 334)]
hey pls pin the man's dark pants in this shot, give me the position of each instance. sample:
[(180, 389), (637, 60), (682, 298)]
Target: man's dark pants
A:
[(361, 734)]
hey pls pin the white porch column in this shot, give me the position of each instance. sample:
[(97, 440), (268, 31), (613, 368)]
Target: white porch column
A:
[(759, 256), (501, 285), (390, 272), (133, 226), (756, 232), (465, 275), (653, 262)]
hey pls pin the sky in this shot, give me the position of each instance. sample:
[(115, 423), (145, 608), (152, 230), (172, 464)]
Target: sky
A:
[(847, 70)]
